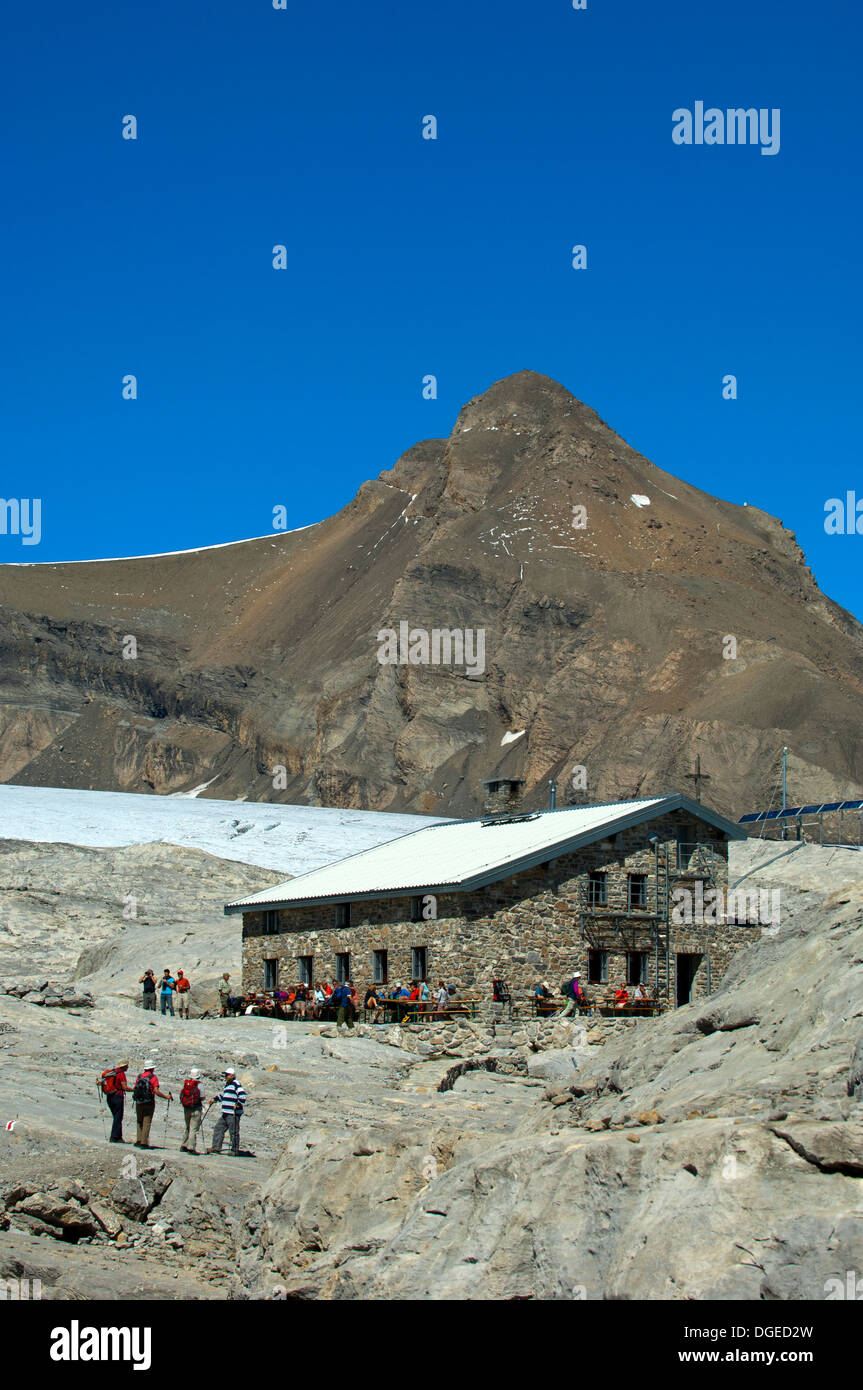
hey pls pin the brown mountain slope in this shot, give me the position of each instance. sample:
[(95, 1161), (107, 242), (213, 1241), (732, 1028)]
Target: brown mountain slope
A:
[(604, 643)]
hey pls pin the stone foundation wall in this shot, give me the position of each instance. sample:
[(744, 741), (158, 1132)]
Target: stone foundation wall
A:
[(473, 1038), (524, 929)]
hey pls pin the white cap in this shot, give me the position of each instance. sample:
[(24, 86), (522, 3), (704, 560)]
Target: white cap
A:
[(229, 1071), (148, 1063), (194, 1074)]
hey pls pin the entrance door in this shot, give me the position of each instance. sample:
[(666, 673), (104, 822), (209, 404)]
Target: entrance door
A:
[(687, 969)]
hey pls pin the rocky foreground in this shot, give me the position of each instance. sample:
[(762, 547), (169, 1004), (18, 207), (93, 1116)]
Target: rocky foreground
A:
[(713, 1153)]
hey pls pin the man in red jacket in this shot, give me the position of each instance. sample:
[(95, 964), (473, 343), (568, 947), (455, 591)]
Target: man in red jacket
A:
[(183, 987), (114, 1089)]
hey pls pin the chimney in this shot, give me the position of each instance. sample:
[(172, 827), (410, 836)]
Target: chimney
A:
[(502, 795)]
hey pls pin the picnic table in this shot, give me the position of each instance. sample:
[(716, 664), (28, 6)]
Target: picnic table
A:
[(404, 1010), (545, 1008), (458, 1008), (393, 1010), (606, 1008)]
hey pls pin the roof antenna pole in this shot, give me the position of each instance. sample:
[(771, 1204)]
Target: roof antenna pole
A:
[(784, 788), (784, 777), (552, 793)]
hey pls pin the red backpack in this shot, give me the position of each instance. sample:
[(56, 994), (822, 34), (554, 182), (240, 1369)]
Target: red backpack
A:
[(110, 1081), (190, 1094)]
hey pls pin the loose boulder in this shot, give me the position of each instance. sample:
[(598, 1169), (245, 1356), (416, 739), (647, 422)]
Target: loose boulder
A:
[(725, 1016), (136, 1197)]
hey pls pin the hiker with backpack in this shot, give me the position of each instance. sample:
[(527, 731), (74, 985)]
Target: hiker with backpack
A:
[(144, 1094), (183, 988), (573, 994), (113, 1086), (233, 1099), (193, 1109)]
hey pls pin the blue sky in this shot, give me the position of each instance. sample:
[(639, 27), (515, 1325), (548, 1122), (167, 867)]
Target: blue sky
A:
[(407, 256)]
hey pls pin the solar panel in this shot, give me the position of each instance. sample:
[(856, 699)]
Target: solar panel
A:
[(511, 819), (785, 813)]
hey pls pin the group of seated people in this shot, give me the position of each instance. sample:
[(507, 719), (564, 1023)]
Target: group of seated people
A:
[(622, 997), (300, 1001), (420, 999), (546, 1001), (317, 1001)]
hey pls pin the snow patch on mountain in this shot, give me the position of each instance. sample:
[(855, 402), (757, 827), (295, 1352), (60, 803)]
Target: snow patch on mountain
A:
[(290, 839)]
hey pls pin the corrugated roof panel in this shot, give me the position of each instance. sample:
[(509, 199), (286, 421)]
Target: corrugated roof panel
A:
[(455, 854)]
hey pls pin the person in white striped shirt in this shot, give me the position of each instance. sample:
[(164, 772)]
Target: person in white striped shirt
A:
[(233, 1099)]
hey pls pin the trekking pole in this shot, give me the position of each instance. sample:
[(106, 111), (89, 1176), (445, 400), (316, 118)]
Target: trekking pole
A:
[(203, 1132), (101, 1111), (167, 1113)]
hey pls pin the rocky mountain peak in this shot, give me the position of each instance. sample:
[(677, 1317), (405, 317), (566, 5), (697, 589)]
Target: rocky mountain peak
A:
[(606, 590), (515, 435), (536, 400)]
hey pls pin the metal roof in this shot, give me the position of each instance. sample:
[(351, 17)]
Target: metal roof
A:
[(457, 856)]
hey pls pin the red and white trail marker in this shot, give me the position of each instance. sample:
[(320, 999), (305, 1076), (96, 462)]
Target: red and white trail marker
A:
[(10, 1125)]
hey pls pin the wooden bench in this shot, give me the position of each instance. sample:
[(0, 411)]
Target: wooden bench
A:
[(464, 1008), (409, 1010), (543, 1008), (644, 1010)]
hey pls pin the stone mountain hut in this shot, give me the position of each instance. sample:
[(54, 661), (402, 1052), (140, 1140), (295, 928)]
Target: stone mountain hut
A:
[(522, 897)]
